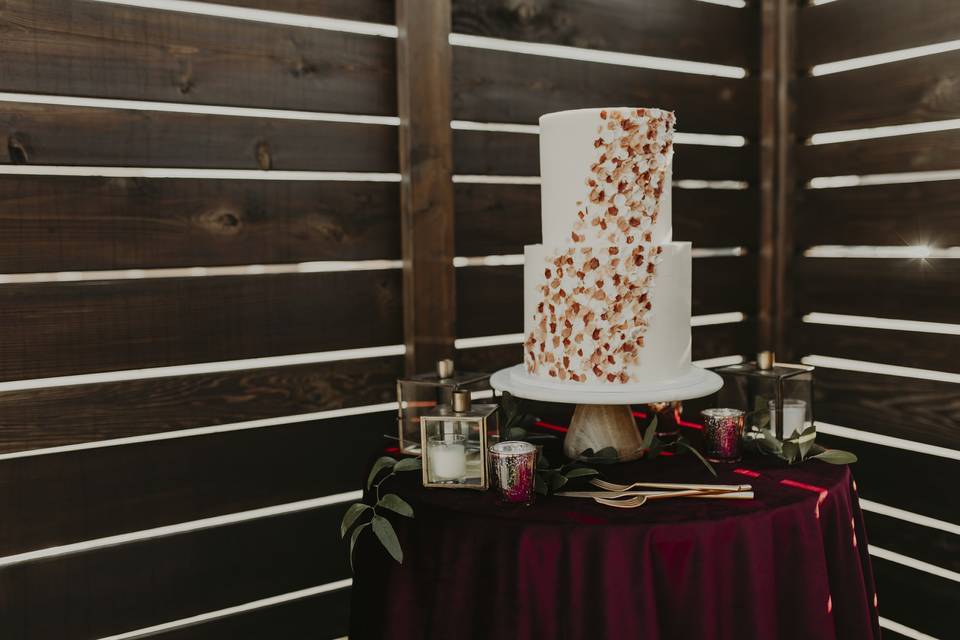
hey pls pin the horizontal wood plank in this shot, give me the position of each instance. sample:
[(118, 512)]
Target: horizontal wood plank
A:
[(497, 219), (933, 546), (518, 154), (490, 299), (57, 416), (896, 214), (362, 10), (855, 28), (916, 90), (499, 86), (901, 479), (115, 51), (886, 288), (917, 349), (665, 28), (322, 617), (130, 586), (916, 599), (81, 327), (926, 411), (40, 134), (58, 223), (64, 498), (938, 151)]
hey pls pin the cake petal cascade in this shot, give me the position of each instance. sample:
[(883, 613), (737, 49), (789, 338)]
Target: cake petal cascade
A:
[(594, 304)]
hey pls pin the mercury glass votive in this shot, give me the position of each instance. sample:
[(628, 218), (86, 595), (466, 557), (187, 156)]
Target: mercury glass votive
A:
[(514, 465), (722, 434)]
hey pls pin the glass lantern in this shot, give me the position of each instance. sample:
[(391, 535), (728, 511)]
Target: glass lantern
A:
[(423, 392), (777, 397), (455, 442)]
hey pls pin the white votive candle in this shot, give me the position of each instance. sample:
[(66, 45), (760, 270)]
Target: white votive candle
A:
[(794, 416), (447, 460)]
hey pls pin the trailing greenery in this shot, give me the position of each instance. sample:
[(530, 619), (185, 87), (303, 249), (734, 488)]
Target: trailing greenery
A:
[(793, 450), (382, 528)]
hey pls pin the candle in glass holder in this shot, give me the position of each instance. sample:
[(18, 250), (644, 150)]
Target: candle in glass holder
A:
[(447, 457), (514, 470), (722, 434), (794, 417)]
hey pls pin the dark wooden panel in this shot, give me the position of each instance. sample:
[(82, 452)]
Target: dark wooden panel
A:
[(666, 28), (57, 223), (47, 134), (920, 213), (919, 410), (496, 219), (498, 86), (916, 599), (887, 288), (518, 154), (82, 495), (491, 298), (426, 193), (82, 413), (918, 152), (916, 90), (905, 348), (126, 587), (363, 10), (77, 327), (902, 479), (108, 50), (321, 617), (929, 545), (854, 28)]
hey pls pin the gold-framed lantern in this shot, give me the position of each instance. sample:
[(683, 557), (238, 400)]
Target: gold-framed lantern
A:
[(455, 441)]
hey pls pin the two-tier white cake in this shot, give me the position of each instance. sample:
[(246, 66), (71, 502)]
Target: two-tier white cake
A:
[(607, 294)]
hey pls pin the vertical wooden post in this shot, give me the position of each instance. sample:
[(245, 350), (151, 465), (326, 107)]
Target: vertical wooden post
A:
[(426, 191), (778, 188)]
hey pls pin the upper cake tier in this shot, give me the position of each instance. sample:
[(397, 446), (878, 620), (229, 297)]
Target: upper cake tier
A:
[(628, 154)]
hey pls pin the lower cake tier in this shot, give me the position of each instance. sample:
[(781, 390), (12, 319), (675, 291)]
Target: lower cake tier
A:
[(607, 315)]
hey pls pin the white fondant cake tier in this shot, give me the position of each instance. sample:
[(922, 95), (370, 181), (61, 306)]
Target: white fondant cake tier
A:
[(617, 321)]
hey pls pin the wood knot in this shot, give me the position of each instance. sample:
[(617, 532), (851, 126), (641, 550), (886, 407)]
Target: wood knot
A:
[(302, 68), (17, 149), (264, 161), (222, 222)]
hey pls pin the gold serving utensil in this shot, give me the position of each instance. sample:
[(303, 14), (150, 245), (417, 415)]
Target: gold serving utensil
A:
[(722, 495), (632, 502), (612, 486)]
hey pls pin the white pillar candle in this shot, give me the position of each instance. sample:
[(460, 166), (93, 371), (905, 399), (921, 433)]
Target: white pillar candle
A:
[(794, 417), (447, 461)]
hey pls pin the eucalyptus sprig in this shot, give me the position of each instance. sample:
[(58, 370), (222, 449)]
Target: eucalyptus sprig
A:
[(381, 527), (798, 448), (653, 445)]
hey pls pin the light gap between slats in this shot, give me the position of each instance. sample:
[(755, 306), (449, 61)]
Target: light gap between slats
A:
[(680, 138), (737, 185), (887, 57), (910, 516), (837, 182), (516, 259), (888, 131), (886, 441), (912, 251), (887, 623), (913, 563), (196, 174), (893, 324), (862, 366)]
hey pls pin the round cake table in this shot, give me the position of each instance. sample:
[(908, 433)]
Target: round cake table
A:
[(792, 563)]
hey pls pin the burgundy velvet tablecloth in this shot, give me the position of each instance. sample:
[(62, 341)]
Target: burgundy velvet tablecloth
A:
[(792, 563)]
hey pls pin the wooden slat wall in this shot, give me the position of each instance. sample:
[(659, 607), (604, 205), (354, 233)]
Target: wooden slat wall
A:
[(202, 441), (493, 86), (921, 407)]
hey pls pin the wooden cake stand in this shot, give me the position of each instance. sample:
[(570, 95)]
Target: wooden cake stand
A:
[(603, 417)]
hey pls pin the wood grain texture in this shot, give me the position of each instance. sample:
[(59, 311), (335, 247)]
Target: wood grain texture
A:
[(59, 223), (934, 546), (498, 86), (880, 287), (40, 134), (492, 297), (518, 154), (426, 193), (498, 219), (935, 351), (362, 10), (664, 28), (80, 327), (108, 50), (163, 579), (854, 28), (58, 416), (918, 152), (323, 616), (916, 599), (916, 90), (83, 495), (926, 411), (897, 214)]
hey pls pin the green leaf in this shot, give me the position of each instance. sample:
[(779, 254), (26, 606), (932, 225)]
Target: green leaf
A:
[(806, 440), (542, 462), (770, 443), (353, 540), (516, 433), (557, 480), (693, 450), (539, 485), (395, 503), (351, 516), (378, 466), (836, 456), (580, 472), (790, 452), (387, 537), (650, 434), (408, 464)]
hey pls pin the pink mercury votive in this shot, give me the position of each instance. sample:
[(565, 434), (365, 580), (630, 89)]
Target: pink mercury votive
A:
[(514, 468)]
